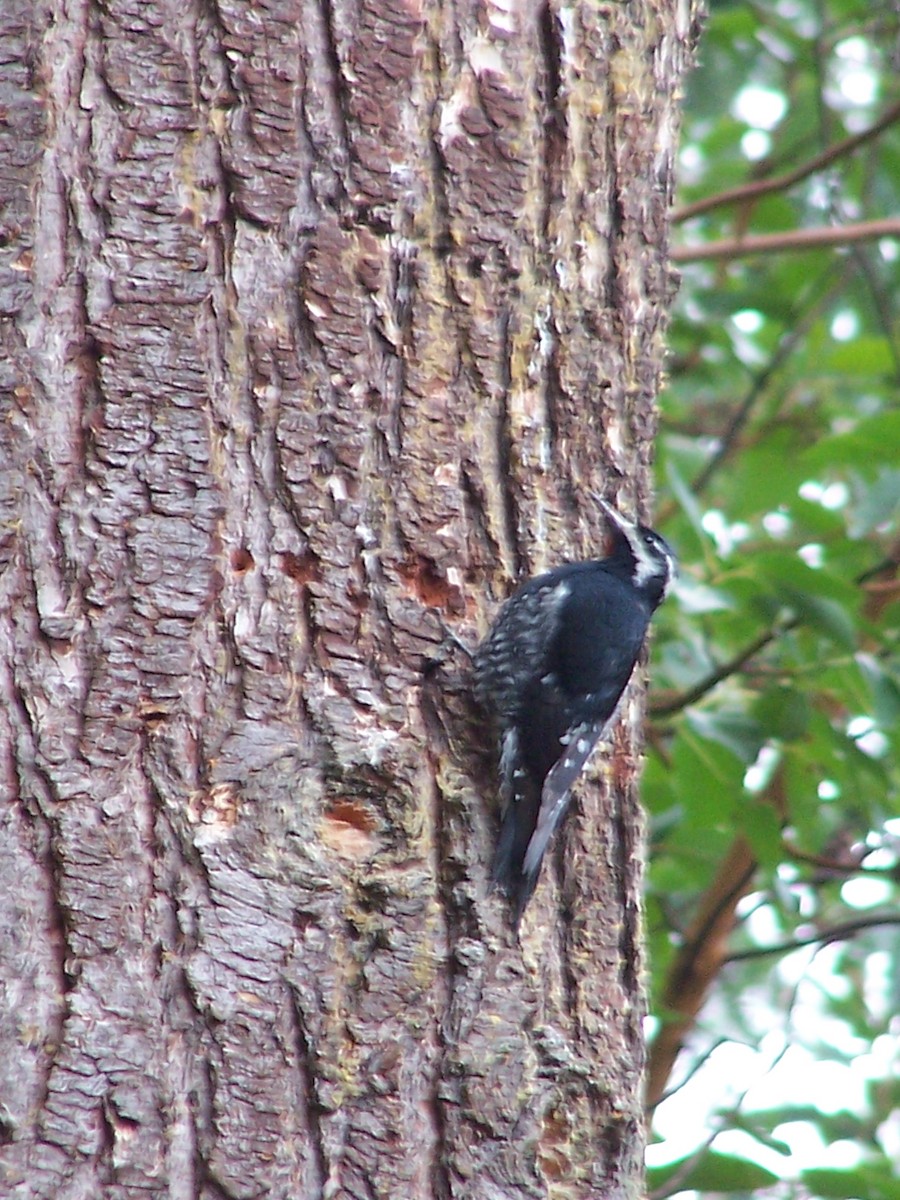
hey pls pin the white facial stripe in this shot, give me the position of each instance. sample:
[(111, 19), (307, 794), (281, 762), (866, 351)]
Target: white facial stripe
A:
[(671, 572), (646, 562)]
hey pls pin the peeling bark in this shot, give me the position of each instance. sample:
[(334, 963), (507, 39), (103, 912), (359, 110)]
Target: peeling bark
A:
[(317, 322)]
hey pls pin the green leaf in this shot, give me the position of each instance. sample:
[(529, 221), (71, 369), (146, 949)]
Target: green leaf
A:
[(884, 681), (714, 1172), (827, 616), (735, 730), (861, 356), (869, 1182), (767, 475), (784, 712), (878, 504), (871, 442), (786, 571), (708, 777), (762, 825)]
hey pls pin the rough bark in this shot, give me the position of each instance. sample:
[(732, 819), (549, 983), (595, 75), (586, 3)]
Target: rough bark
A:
[(317, 321)]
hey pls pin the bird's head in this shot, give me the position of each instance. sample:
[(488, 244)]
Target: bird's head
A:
[(651, 560)]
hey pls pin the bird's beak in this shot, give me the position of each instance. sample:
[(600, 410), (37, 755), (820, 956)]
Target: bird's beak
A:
[(613, 515)]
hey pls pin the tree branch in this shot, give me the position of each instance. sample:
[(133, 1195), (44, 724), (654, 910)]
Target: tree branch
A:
[(698, 1065), (837, 933), (698, 963), (762, 187), (794, 239), (669, 707), (823, 292)]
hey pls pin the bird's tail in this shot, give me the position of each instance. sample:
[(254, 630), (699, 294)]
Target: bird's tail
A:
[(519, 819), (533, 813)]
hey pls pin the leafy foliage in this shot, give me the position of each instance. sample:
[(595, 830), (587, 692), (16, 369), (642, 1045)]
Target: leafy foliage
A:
[(777, 711)]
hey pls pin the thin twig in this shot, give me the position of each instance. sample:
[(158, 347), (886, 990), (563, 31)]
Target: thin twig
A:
[(696, 1066), (785, 348), (673, 1184), (762, 187), (793, 239), (668, 708), (731, 667), (837, 933)]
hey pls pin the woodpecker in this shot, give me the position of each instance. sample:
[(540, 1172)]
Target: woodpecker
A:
[(550, 673)]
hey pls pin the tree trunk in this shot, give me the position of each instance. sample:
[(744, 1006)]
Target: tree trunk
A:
[(318, 323)]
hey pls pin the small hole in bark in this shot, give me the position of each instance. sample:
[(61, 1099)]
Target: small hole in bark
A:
[(348, 829), (302, 568), (242, 560), (351, 813)]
